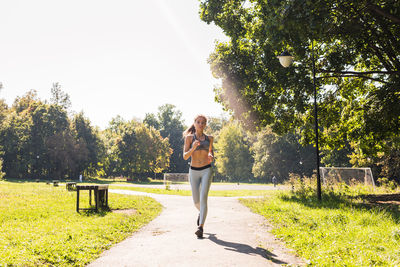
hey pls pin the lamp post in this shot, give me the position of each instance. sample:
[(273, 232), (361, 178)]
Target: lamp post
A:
[(286, 60)]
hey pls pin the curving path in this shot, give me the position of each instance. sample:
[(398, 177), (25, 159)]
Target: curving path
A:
[(233, 236)]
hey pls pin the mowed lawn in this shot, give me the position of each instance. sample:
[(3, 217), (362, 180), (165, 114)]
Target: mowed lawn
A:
[(40, 225), (335, 232)]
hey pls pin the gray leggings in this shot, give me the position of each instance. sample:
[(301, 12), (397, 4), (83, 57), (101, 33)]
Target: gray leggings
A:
[(200, 182)]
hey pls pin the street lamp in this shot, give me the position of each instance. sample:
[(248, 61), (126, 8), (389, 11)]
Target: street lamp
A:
[(286, 59)]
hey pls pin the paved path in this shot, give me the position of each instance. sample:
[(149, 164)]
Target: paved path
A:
[(233, 236), (215, 186)]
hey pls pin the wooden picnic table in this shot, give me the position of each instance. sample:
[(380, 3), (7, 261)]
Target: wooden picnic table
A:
[(100, 196)]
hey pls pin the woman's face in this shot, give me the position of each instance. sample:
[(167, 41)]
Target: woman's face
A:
[(200, 123)]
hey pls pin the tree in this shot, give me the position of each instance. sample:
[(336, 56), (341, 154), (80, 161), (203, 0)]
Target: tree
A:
[(170, 124), (153, 152), (151, 121), (2, 174), (215, 124), (37, 140), (64, 154), (232, 153), (3, 115), (278, 156), (3, 110), (58, 97), (15, 130), (358, 70), (48, 122), (90, 138), (134, 149)]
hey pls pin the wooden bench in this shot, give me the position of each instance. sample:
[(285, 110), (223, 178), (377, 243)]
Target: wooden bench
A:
[(71, 186), (55, 182), (100, 196)]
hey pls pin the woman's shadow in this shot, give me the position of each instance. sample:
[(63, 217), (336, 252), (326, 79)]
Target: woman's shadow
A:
[(246, 249)]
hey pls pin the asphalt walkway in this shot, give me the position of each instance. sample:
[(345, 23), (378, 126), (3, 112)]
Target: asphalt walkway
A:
[(233, 236), (215, 186)]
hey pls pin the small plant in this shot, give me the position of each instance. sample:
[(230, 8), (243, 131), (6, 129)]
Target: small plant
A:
[(168, 185), (302, 185)]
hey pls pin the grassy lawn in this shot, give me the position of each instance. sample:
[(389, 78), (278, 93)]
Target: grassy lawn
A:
[(40, 226), (214, 193), (339, 231)]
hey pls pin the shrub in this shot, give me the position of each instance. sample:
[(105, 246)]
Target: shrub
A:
[(388, 184)]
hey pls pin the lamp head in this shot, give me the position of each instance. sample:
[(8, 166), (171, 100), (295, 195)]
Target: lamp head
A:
[(286, 59)]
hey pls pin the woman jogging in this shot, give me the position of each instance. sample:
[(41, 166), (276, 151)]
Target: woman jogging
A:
[(198, 146)]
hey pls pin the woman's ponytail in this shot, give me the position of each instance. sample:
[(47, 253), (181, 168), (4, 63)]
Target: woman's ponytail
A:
[(190, 130)]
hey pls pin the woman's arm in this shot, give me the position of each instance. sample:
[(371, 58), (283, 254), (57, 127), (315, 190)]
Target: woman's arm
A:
[(187, 151), (210, 149)]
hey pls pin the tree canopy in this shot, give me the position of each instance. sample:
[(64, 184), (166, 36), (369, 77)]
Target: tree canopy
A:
[(232, 153), (39, 142), (357, 48), (169, 122), (134, 149)]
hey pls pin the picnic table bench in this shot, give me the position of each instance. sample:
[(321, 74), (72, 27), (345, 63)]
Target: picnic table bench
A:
[(71, 186), (55, 182), (100, 196)]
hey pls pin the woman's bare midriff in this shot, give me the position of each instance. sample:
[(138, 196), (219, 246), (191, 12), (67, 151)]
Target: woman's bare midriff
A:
[(199, 158)]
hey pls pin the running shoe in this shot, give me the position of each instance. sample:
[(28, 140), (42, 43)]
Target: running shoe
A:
[(199, 232)]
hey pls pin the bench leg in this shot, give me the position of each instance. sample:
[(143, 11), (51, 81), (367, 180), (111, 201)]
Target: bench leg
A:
[(96, 199), (90, 197), (77, 200), (107, 198)]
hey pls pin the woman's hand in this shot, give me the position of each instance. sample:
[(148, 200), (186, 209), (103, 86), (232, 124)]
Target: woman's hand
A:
[(196, 143), (210, 157)]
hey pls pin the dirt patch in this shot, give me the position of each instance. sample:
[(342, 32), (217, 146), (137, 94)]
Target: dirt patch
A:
[(158, 231), (383, 198), (126, 211)]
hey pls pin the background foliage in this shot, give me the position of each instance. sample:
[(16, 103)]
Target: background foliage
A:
[(357, 66)]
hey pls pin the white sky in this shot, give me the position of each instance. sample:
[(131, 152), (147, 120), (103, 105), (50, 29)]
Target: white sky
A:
[(120, 57)]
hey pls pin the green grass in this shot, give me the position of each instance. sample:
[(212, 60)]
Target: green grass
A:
[(214, 193), (40, 226), (339, 231)]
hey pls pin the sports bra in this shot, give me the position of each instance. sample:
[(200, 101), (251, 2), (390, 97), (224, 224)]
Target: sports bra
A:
[(204, 145)]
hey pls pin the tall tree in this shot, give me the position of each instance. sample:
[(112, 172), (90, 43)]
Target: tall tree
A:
[(151, 120), (233, 158), (153, 152), (15, 136), (59, 97), (170, 124), (278, 156), (89, 137), (37, 139), (64, 154), (2, 174), (215, 124), (358, 70), (134, 149)]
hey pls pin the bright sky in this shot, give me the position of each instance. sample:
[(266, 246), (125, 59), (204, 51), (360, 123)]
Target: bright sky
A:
[(121, 57)]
